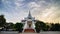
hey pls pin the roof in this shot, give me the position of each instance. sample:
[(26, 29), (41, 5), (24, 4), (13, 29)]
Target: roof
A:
[(23, 20)]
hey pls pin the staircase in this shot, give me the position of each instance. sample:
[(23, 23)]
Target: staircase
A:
[(29, 30)]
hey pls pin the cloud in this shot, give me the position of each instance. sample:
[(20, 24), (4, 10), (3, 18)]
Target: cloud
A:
[(16, 10), (45, 10)]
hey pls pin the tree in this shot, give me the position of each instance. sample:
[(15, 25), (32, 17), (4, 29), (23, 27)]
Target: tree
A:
[(8, 26), (19, 27), (39, 25), (55, 27), (2, 20)]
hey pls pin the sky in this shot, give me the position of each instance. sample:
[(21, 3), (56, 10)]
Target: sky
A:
[(44, 10)]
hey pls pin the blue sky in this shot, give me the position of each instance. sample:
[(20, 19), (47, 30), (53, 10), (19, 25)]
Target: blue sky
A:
[(44, 10)]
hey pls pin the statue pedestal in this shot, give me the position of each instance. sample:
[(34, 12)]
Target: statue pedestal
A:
[(29, 30)]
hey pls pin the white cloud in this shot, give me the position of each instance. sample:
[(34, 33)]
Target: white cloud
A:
[(41, 9), (33, 5)]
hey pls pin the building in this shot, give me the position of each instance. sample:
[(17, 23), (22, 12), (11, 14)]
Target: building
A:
[(29, 23)]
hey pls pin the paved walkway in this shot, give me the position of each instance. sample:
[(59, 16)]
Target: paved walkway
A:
[(15, 32), (9, 32), (50, 32)]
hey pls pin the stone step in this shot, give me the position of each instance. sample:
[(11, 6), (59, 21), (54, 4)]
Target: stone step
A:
[(29, 30)]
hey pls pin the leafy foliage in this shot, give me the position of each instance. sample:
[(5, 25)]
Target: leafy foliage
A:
[(55, 27), (41, 25), (2, 20), (19, 27)]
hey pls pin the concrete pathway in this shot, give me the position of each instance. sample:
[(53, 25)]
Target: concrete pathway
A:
[(15, 32), (50, 32)]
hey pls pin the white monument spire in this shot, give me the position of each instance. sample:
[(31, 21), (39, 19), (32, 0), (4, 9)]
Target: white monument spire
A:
[(29, 23), (29, 15)]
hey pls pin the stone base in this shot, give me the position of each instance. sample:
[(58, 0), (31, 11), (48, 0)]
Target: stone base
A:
[(29, 30)]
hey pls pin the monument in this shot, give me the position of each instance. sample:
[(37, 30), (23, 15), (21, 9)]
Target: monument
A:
[(29, 23)]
